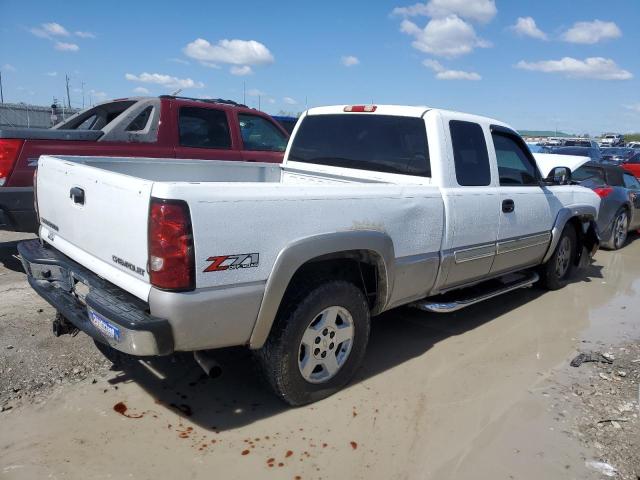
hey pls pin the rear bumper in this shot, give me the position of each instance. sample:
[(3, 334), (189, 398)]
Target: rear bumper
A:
[(17, 212), (100, 309)]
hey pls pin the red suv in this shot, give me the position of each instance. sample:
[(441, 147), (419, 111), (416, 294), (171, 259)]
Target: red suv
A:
[(165, 126)]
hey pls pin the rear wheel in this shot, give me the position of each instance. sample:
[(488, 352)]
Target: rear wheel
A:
[(317, 342), (619, 231), (556, 273)]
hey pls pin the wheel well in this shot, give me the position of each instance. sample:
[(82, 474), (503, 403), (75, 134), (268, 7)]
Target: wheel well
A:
[(363, 268)]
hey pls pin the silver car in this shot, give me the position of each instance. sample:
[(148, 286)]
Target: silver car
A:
[(620, 200)]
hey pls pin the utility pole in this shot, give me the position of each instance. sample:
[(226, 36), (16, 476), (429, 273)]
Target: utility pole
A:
[(244, 92), (83, 95), (259, 98), (68, 97), (1, 94)]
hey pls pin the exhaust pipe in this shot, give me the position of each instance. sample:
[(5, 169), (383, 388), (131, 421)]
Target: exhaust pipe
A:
[(208, 364), (62, 326)]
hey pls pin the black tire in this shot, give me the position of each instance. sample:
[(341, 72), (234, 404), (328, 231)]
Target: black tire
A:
[(552, 277), (278, 358), (616, 242)]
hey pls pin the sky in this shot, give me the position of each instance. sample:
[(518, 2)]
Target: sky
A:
[(548, 64)]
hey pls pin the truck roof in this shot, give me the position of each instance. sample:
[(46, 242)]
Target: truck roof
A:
[(405, 111)]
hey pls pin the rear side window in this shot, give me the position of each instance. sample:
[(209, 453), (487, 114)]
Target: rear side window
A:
[(260, 134), (614, 177), (631, 182), (204, 128), (470, 154), (592, 175), (381, 143), (140, 122), (515, 166)]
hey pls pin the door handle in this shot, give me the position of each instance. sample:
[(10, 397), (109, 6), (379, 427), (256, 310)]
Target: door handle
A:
[(77, 194), (508, 206)]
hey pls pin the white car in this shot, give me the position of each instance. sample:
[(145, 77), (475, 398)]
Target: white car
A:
[(612, 140), (374, 207)]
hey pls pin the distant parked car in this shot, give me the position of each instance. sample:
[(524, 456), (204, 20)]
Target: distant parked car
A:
[(632, 165), (617, 155), (633, 145), (580, 142), (612, 140), (620, 200), (592, 152)]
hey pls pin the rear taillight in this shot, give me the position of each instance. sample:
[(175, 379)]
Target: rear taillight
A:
[(603, 191), (9, 150), (171, 253)]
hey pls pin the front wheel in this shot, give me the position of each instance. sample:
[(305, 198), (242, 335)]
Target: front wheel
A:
[(317, 342), (556, 273)]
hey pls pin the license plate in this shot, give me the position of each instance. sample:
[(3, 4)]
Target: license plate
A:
[(103, 325)]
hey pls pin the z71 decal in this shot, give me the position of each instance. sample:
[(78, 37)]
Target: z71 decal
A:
[(232, 262)]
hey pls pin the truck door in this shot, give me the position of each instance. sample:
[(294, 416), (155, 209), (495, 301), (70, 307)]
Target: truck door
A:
[(472, 205), (527, 208)]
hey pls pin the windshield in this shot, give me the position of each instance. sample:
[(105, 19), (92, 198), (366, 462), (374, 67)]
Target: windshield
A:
[(589, 175), (381, 143)]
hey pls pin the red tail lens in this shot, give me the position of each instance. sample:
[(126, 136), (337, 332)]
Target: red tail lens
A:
[(171, 252), (360, 108), (603, 191), (9, 150)]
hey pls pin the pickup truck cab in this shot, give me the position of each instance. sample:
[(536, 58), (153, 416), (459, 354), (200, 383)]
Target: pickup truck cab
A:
[(374, 207), (166, 126)]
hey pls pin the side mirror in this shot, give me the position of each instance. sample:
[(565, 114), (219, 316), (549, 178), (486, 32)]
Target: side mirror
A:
[(559, 176)]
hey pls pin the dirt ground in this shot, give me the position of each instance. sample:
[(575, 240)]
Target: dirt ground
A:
[(485, 393)]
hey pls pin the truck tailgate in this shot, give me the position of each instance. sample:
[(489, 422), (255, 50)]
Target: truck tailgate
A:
[(98, 218)]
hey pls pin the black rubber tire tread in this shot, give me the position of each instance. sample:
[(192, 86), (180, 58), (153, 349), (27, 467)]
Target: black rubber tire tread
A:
[(548, 277), (278, 358)]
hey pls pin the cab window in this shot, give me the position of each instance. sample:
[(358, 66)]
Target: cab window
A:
[(204, 128), (470, 154), (260, 134), (515, 167)]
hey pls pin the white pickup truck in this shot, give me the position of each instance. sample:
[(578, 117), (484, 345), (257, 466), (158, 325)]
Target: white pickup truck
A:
[(374, 207)]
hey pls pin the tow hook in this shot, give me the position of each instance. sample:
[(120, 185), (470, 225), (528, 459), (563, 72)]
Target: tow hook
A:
[(208, 364), (62, 326)]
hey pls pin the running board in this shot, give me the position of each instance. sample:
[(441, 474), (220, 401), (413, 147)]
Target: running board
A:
[(428, 305)]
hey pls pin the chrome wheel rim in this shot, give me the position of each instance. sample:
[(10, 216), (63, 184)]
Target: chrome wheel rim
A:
[(564, 257), (620, 231), (326, 345)]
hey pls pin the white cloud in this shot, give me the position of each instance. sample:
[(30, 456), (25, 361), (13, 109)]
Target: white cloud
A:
[(164, 80), (7, 67), (66, 47), (481, 11), (241, 71), (85, 34), (98, 95), (271, 100), (141, 90), (349, 61), (526, 27), (443, 74), (634, 107), (234, 52), (254, 92), (289, 101), (446, 37), (51, 74), (594, 67), (591, 32), (51, 29), (179, 60)]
